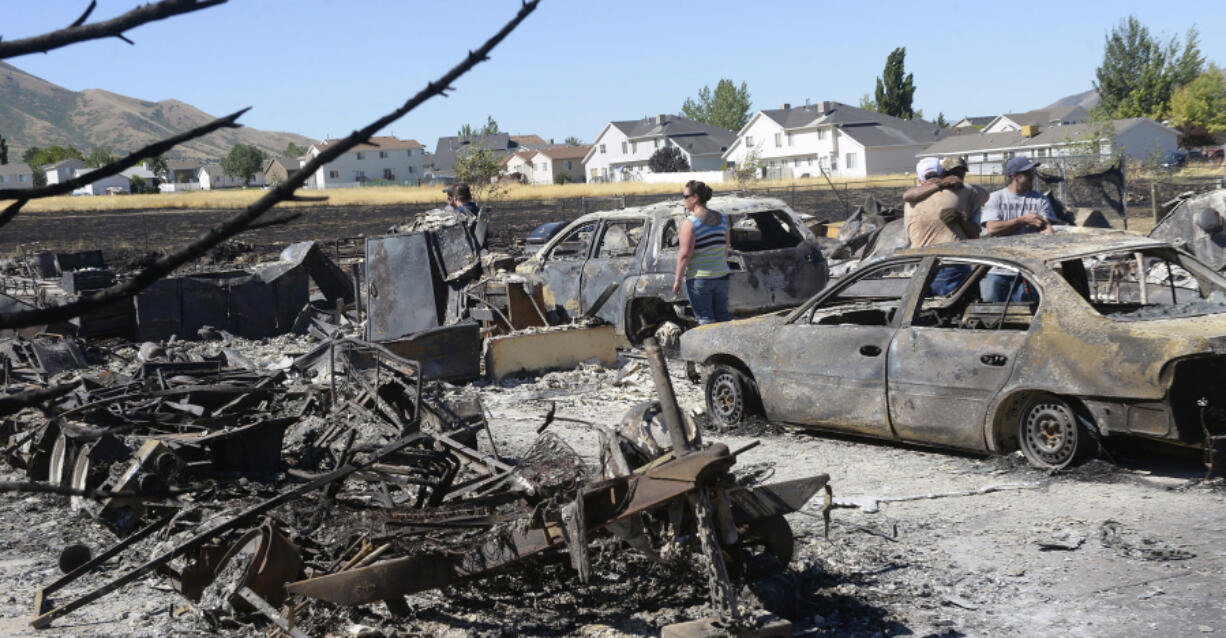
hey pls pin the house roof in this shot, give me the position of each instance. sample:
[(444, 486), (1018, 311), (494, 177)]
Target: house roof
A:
[(66, 161), (16, 168), (523, 155), (288, 163), (697, 138), (869, 128), (565, 152), (379, 143), (529, 141), (214, 170), (976, 120), (183, 165), (446, 148), (1049, 136), (1041, 116)]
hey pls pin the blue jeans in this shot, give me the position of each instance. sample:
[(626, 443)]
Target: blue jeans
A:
[(994, 288), (948, 279), (709, 299)]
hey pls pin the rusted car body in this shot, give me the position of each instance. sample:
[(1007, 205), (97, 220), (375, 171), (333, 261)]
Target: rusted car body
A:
[(1096, 351), (775, 259)]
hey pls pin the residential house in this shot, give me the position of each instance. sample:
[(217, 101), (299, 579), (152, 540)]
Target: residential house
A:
[(518, 162), (624, 148), (558, 164), (16, 175), (1140, 138), (976, 122), (384, 159), (183, 171), (831, 138), (212, 177), (279, 169), (107, 185), (442, 162), (1043, 118), (63, 170)]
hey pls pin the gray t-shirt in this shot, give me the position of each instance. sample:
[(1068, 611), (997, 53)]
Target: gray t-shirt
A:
[(1004, 205)]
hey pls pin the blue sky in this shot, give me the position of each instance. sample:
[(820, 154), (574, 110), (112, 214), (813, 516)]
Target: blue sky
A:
[(323, 67)]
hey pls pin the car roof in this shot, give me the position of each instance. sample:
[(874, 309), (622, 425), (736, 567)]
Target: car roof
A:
[(726, 204), (1040, 247)]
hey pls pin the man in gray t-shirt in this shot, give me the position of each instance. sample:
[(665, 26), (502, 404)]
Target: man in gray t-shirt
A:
[(1016, 209)]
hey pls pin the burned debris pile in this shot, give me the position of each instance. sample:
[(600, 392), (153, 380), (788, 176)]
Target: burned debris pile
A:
[(321, 469)]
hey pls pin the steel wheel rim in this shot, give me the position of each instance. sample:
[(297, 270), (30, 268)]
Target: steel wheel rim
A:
[(726, 399), (1050, 434)]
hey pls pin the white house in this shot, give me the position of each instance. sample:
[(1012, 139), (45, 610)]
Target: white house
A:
[(63, 170), (622, 149), (1043, 118), (212, 177), (547, 164), (518, 162), (975, 122), (1140, 138), (387, 159), (831, 138), (183, 171), (16, 176), (441, 163), (111, 184)]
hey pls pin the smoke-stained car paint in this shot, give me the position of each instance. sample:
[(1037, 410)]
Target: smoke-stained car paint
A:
[(776, 263), (1100, 352)]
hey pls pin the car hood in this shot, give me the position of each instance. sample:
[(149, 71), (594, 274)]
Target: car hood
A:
[(746, 339)]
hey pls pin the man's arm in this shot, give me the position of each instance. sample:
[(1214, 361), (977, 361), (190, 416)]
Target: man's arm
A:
[(1008, 226), (919, 193)]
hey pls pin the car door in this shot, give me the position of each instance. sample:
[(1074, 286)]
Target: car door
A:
[(948, 362), (828, 365), (562, 268), (615, 258)]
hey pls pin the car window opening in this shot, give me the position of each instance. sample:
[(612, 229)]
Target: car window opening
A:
[(764, 230), (1157, 283), (967, 296), (621, 239), (575, 244), (871, 300)]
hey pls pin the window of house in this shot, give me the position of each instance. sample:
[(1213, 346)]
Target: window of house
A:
[(850, 160), (748, 141), (411, 170), (834, 162), (410, 152), (389, 175), (602, 148), (624, 148), (634, 147), (778, 140), (361, 155), (656, 143), (382, 154), (567, 164), (789, 139), (3, 179), (821, 134), (359, 176), (334, 174), (621, 238), (595, 174)]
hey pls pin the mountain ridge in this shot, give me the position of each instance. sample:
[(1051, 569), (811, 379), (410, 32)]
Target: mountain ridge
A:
[(35, 112)]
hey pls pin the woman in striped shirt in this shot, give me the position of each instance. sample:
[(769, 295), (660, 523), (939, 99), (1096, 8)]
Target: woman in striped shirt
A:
[(703, 259)]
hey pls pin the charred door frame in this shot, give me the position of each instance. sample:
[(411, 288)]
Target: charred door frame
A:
[(591, 286)]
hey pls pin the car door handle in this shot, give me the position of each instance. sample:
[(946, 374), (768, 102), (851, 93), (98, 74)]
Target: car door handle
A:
[(870, 350), (994, 359)]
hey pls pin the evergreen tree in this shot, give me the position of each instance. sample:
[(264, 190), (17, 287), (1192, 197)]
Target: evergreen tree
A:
[(1198, 108), (895, 90), (728, 107), (1139, 74), (668, 160), (573, 141)]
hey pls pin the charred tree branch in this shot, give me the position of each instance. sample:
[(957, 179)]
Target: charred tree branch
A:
[(77, 32), (284, 191)]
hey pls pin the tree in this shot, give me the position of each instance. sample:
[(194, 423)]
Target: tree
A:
[(100, 156), (1139, 74), (1200, 105), (293, 150), (668, 159), (895, 90), (38, 157), (747, 169), (138, 184), (727, 108), (4, 151), (490, 128), (243, 161), (158, 166), (574, 141), (941, 122), (478, 166), (867, 103)]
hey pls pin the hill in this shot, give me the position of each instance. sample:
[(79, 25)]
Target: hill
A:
[(35, 112), (1086, 99)]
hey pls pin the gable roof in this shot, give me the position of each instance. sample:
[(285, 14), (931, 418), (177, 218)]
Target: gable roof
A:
[(183, 165), (975, 120), (288, 163), (213, 170), (382, 143), (868, 128), (446, 148), (523, 155), (15, 168), (1041, 117), (529, 141), (64, 162), (1047, 137), (565, 152)]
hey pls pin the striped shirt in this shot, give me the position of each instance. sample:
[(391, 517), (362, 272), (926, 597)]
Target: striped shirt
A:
[(709, 260)]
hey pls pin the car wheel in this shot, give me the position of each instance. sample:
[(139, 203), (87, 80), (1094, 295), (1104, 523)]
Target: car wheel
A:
[(1048, 433), (729, 395)]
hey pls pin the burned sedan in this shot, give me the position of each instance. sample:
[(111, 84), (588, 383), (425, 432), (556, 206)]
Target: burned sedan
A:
[(621, 263), (1112, 334)]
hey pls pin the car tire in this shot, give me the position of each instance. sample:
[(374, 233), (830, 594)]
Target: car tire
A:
[(1048, 433), (730, 395)]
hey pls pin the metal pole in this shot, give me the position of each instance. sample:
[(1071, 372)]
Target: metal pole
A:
[(1153, 199), (356, 269), (668, 401)]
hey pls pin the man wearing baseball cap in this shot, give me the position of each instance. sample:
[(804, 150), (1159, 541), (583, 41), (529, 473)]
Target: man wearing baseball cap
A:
[(1016, 209), (941, 215)]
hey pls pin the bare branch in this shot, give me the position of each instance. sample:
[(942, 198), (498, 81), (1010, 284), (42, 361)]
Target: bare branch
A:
[(280, 221), (116, 167), (84, 16), (11, 211), (105, 29), (283, 191)]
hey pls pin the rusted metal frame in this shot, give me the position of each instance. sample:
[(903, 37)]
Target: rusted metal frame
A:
[(668, 400), (723, 596), (46, 618)]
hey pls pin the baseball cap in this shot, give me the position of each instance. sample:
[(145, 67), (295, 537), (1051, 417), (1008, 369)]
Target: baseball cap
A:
[(927, 165), (450, 190), (1019, 165), (950, 163)]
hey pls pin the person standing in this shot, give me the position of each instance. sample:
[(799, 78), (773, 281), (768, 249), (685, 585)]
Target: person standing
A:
[(464, 199), (940, 210), (1016, 209), (702, 261)]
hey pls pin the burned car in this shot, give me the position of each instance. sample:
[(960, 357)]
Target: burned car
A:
[(1116, 335), (628, 257)]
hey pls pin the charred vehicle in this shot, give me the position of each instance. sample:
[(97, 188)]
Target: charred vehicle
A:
[(1118, 335), (621, 263)]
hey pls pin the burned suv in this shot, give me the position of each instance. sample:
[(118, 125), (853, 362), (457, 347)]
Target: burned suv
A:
[(775, 263)]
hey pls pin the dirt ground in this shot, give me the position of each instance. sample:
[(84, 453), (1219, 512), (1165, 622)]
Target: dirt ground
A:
[(925, 543)]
